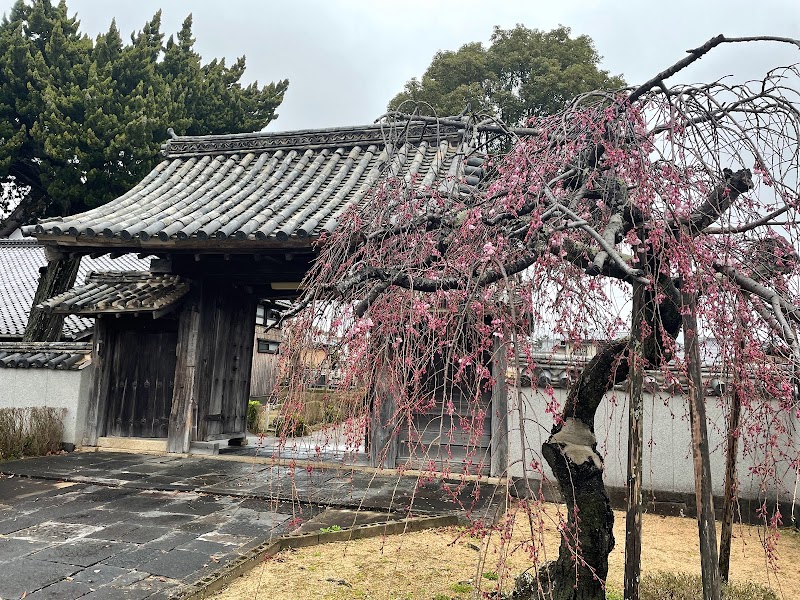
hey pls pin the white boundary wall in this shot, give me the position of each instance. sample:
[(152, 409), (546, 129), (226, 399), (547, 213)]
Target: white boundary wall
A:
[(69, 389), (667, 443)]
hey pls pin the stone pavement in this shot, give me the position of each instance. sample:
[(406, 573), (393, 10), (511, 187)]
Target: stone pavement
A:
[(96, 525)]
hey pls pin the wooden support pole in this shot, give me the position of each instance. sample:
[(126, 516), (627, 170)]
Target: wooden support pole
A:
[(731, 456), (383, 430), (499, 412), (181, 418), (709, 560), (633, 518), (99, 384)]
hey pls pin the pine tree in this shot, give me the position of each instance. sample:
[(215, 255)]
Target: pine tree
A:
[(81, 121)]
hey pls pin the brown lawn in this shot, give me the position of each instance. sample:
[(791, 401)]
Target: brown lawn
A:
[(449, 563)]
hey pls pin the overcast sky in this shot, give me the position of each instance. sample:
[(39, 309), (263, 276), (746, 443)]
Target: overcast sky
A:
[(345, 59)]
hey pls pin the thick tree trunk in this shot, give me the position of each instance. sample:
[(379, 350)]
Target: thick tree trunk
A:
[(14, 220), (25, 212), (580, 571), (57, 277)]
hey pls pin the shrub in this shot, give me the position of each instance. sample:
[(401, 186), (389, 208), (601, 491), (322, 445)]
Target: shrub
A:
[(30, 431), (254, 409), (294, 426), (333, 412), (681, 586)]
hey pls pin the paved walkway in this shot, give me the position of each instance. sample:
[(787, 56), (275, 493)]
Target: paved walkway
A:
[(111, 525)]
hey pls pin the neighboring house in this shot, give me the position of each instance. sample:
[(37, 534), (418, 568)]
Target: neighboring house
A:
[(266, 351)]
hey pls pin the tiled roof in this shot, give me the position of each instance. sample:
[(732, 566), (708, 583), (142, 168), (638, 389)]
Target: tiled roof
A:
[(20, 261), (69, 356), (266, 187), (125, 292)]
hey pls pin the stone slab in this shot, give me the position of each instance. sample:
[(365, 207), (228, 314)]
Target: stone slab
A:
[(62, 590), (11, 548), (25, 575), (135, 444), (129, 532), (52, 531), (82, 553), (177, 564), (102, 574)]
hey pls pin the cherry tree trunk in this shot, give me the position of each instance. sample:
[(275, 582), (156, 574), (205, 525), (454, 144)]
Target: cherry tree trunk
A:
[(581, 569)]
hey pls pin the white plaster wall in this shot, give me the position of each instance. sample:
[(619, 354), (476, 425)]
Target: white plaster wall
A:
[(667, 438), (22, 388)]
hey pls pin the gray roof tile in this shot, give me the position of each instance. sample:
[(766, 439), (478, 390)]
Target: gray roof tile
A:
[(20, 261), (268, 187), (68, 356), (120, 292)]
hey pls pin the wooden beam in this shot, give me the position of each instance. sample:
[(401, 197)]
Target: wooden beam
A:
[(499, 411), (383, 433), (181, 417), (285, 285), (98, 384), (633, 518), (709, 559)]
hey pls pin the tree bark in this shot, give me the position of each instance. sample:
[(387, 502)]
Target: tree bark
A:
[(56, 278), (709, 560), (580, 571), (633, 522), (14, 220)]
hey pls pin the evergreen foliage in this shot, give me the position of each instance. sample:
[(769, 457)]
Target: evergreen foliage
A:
[(522, 74), (81, 122)]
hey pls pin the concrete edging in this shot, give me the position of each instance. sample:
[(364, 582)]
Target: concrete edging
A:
[(219, 579)]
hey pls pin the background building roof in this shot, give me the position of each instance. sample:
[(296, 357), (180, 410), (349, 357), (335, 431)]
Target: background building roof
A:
[(67, 356), (20, 261), (268, 188)]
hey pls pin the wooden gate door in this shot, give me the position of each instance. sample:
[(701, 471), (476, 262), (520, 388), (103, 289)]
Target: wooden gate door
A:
[(142, 376), (452, 434)]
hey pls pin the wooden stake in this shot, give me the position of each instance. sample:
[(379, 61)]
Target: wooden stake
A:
[(731, 456), (633, 519), (709, 560)]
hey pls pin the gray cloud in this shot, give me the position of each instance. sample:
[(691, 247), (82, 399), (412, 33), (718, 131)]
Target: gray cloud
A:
[(346, 59)]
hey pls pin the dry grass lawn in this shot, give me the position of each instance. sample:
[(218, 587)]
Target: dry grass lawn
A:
[(449, 563)]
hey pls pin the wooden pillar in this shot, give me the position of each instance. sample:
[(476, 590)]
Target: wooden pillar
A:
[(633, 518), (54, 279), (709, 560), (499, 412), (98, 387), (383, 433), (182, 413)]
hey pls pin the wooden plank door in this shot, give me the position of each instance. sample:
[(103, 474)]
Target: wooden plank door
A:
[(141, 379)]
